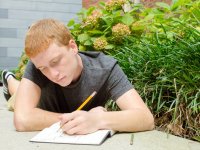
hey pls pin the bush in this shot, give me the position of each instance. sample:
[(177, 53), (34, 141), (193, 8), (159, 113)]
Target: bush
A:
[(159, 50), (19, 71)]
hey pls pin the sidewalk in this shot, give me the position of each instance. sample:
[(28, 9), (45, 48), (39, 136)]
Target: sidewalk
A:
[(151, 140)]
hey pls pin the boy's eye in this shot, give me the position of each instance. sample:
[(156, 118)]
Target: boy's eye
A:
[(42, 68), (54, 62)]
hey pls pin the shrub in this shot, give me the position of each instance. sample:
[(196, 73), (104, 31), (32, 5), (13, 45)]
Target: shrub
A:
[(159, 50)]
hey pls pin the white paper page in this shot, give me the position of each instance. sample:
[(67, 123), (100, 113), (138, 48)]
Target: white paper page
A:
[(52, 134)]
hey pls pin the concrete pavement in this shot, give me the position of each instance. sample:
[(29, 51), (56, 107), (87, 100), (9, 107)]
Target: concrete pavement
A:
[(151, 140)]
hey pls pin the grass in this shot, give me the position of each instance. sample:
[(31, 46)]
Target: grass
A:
[(166, 74)]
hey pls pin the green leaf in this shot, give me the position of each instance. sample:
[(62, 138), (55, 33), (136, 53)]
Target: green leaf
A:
[(177, 3), (127, 19), (148, 17), (90, 10), (71, 23), (109, 46), (174, 1), (196, 14), (77, 26), (102, 4), (82, 48), (108, 20), (93, 39), (83, 37), (196, 138), (170, 35), (163, 5), (117, 13), (95, 32), (88, 43), (82, 14)]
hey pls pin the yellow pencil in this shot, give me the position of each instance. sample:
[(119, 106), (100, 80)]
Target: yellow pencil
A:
[(87, 100), (83, 104)]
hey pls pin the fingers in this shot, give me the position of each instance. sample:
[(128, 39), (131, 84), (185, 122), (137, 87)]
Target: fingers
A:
[(68, 117), (70, 127), (81, 122), (70, 121), (74, 127), (76, 130)]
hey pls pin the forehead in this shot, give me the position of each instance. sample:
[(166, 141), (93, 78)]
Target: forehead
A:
[(44, 57)]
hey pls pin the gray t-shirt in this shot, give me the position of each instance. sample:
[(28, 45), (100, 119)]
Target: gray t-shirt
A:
[(101, 73)]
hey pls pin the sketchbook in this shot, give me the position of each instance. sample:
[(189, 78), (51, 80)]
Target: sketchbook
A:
[(54, 135)]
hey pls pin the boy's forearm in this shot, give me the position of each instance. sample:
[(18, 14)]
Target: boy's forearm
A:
[(127, 120), (34, 120)]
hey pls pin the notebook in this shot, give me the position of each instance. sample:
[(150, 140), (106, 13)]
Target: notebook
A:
[(54, 135)]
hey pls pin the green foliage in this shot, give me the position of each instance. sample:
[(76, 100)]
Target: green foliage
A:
[(111, 106), (19, 71), (139, 21), (168, 77), (159, 50), (109, 22)]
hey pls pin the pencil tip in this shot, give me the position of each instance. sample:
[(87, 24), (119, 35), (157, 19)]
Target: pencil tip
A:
[(94, 93)]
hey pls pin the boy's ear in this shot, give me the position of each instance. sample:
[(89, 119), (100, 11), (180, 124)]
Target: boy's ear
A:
[(72, 44)]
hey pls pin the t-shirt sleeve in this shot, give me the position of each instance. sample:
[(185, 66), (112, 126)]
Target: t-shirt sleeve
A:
[(33, 74), (118, 83)]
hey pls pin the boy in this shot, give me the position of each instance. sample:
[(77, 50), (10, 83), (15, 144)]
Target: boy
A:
[(58, 78)]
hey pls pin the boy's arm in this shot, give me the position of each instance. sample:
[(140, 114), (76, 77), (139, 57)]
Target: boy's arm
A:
[(27, 117), (134, 115)]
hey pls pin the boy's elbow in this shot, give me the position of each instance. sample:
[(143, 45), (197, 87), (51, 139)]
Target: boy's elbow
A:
[(20, 123), (151, 124)]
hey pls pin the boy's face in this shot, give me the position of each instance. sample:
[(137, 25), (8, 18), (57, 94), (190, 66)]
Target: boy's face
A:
[(60, 64)]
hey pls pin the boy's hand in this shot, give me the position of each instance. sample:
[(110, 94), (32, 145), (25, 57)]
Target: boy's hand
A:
[(98, 109), (82, 122)]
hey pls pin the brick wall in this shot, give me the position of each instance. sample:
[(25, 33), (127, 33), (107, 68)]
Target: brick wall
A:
[(17, 15)]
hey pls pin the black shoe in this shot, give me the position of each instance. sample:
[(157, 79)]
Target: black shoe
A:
[(5, 74)]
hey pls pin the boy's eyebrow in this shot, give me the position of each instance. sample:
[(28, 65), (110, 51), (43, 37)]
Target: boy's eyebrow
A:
[(38, 67)]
